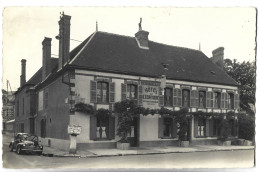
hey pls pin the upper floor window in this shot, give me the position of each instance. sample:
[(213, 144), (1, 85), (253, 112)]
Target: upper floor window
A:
[(131, 91), (186, 98), (202, 99), (216, 100), (168, 97), (102, 92), (230, 101)]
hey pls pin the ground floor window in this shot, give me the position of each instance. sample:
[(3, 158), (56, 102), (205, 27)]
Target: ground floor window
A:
[(32, 125), (215, 127), (233, 127), (167, 127), (201, 127), (102, 127), (43, 128)]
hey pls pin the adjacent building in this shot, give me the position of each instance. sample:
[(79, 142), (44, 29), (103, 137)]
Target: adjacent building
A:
[(107, 68)]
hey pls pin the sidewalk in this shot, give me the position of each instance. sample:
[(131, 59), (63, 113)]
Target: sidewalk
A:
[(92, 153)]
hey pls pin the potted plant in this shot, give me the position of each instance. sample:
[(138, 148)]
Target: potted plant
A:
[(183, 126), (126, 111), (225, 131)]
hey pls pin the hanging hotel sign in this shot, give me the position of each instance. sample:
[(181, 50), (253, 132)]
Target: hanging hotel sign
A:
[(150, 94), (74, 130)]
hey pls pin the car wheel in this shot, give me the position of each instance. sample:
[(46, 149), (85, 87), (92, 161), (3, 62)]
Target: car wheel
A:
[(39, 153), (19, 150)]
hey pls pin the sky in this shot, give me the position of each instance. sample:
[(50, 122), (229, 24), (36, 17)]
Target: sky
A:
[(24, 29)]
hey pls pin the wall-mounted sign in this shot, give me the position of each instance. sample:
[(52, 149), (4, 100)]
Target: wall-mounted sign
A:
[(150, 94), (72, 129)]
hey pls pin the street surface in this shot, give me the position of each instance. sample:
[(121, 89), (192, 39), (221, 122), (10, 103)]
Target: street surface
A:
[(219, 159)]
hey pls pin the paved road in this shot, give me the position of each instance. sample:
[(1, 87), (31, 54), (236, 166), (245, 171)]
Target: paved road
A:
[(220, 159)]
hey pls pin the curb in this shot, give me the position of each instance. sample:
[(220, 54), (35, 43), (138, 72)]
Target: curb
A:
[(134, 154)]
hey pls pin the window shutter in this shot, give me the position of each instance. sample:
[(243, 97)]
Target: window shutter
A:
[(93, 127), (174, 129), (195, 127), (222, 100), (207, 128), (175, 97), (226, 100), (161, 97), (140, 96), (93, 92), (194, 101), (211, 127), (179, 97), (236, 101), (111, 127), (160, 127), (123, 91), (209, 99), (111, 92)]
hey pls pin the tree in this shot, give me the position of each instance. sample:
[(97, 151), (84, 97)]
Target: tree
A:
[(245, 75)]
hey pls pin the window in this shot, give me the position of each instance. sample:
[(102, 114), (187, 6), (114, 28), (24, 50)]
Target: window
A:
[(216, 100), (22, 127), (23, 106), (102, 92), (168, 125), (102, 127), (201, 127), (168, 97), (43, 128), (202, 99), (131, 91), (45, 103), (17, 108), (230, 101), (186, 98), (215, 127), (31, 125)]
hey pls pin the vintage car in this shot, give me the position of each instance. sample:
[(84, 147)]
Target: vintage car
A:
[(26, 143)]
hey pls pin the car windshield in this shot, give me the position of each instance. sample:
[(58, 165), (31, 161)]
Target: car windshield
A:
[(29, 137)]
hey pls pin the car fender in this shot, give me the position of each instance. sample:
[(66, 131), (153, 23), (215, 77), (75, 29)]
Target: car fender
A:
[(19, 144)]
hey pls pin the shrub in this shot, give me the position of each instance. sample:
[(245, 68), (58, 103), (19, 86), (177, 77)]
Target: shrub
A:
[(246, 127)]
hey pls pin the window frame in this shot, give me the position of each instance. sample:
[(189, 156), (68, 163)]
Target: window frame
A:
[(101, 101), (199, 127), (100, 121), (230, 101), (130, 93), (218, 100), (182, 96), (203, 101), (171, 97), (170, 127)]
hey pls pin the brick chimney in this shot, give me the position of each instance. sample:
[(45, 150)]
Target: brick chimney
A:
[(218, 57), (64, 39), (46, 57), (23, 73), (142, 37)]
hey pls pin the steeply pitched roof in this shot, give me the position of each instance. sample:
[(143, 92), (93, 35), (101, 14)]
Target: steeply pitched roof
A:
[(121, 54)]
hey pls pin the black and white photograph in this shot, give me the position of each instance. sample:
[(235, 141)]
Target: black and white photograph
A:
[(128, 87)]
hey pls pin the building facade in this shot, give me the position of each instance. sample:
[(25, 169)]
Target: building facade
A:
[(108, 68)]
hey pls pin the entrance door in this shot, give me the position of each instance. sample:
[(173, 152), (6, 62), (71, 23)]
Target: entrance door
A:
[(133, 134)]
